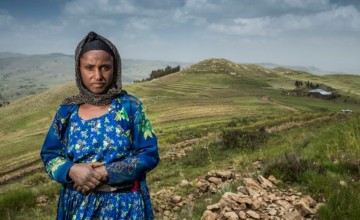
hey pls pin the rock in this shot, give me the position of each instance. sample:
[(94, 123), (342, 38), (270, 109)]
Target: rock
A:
[(214, 207), (212, 188), (224, 174), (309, 201), (240, 207), (184, 183), (215, 180), (244, 200), (265, 183), (285, 204), (343, 183), (258, 164), (231, 215), (202, 186), (242, 215), (256, 204), (274, 180), (303, 208), (294, 215), (176, 208), (252, 184), (42, 199), (243, 190), (208, 215), (175, 199), (228, 199), (253, 214), (272, 212), (167, 213), (271, 197), (253, 192)]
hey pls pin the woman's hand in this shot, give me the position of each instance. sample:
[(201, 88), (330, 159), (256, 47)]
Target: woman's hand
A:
[(85, 177)]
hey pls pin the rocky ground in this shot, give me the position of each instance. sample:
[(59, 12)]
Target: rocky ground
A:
[(256, 198)]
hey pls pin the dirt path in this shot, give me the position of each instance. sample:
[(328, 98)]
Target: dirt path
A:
[(267, 100)]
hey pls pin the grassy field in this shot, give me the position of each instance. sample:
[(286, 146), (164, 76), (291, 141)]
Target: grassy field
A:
[(202, 103)]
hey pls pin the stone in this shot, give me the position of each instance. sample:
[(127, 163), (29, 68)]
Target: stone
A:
[(214, 207), (252, 184), (231, 216), (212, 188), (242, 190), (228, 198), (274, 180), (256, 204), (184, 183), (265, 183), (284, 204), (176, 208), (343, 183), (42, 199), (240, 207), (294, 215), (242, 215), (253, 192), (271, 197), (303, 208), (167, 213), (309, 201), (202, 186), (272, 212), (244, 200), (215, 180), (253, 214), (224, 174), (175, 199), (208, 215), (258, 164)]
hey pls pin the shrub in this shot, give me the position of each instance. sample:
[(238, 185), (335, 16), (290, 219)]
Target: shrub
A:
[(237, 137), (290, 167)]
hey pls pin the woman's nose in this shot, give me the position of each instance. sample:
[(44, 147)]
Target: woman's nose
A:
[(97, 74)]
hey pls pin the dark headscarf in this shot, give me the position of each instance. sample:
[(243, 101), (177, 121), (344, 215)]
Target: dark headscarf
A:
[(91, 42)]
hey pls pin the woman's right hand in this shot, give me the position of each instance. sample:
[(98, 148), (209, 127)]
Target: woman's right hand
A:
[(85, 177)]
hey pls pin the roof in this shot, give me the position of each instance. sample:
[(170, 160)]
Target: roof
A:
[(320, 91)]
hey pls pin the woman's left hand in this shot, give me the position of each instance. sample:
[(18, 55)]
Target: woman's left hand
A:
[(100, 169)]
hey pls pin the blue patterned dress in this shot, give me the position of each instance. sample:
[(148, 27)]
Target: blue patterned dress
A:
[(123, 139)]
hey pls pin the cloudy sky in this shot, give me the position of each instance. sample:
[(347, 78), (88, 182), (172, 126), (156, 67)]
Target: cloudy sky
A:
[(320, 33)]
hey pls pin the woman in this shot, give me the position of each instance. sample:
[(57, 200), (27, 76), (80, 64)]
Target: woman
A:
[(100, 144)]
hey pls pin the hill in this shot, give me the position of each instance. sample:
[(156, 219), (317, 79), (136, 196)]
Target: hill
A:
[(202, 116), (22, 75)]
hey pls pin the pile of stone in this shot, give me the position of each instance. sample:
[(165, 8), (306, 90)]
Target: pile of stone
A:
[(261, 199), (168, 203)]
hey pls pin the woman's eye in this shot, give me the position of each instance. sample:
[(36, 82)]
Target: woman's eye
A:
[(89, 68), (105, 68)]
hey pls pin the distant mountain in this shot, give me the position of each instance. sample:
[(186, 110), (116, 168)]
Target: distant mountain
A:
[(22, 75)]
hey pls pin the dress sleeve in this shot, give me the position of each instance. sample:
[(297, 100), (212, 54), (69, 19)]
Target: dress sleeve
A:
[(56, 164), (145, 156)]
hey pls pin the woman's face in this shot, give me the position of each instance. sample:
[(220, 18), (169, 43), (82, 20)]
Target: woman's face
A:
[(96, 68)]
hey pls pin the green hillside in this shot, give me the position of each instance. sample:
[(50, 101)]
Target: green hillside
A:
[(200, 115)]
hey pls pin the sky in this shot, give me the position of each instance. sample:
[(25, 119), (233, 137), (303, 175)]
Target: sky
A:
[(320, 33)]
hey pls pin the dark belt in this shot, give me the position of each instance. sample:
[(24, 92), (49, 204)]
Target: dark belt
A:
[(116, 188)]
